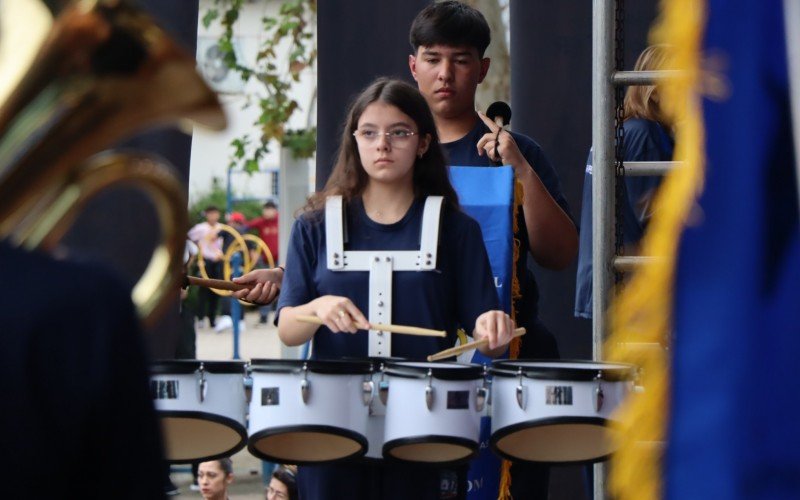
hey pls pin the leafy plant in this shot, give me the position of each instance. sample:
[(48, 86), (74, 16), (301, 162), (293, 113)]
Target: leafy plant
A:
[(295, 26)]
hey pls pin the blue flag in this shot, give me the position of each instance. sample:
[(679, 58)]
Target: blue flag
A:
[(734, 430), (487, 195)]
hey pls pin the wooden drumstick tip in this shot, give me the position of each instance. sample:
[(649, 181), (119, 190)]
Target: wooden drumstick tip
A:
[(455, 351)]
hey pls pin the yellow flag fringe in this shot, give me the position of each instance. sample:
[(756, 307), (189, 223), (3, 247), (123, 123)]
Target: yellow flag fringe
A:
[(641, 315), (514, 347)]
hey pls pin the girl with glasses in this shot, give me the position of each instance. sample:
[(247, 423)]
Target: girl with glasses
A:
[(388, 163)]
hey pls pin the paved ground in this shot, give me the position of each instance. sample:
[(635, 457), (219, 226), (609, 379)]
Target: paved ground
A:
[(257, 341)]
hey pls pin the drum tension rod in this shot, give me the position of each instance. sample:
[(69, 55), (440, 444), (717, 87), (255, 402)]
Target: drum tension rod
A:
[(305, 385), (429, 391), (203, 385)]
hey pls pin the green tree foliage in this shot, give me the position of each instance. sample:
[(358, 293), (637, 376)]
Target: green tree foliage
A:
[(293, 30)]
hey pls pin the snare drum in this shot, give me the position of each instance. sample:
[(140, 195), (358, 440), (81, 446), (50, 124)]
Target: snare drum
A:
[(309, 412), (556, 411), (433, 412), (201, 406)]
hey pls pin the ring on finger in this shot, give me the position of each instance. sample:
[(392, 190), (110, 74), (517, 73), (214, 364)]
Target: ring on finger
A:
[(341, 313)]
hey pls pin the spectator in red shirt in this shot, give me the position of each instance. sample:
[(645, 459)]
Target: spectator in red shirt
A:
[(267, 226)]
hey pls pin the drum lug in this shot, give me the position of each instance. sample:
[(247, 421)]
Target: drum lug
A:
[(429, 392), (202, 384), (598, 394), (367, 391), (522, 393), (305, 386), (247, 380)]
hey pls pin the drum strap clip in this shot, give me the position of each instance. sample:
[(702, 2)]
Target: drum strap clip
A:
[(383, 389)]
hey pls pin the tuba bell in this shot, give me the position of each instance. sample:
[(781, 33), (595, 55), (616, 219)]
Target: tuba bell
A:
[(103, 71)]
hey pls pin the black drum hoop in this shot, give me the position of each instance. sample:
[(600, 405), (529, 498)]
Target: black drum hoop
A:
[(327, 366), (430, 439), (544, 422), (614, 372), (322, 429), (188, 366), (447, 371), (209, 417)]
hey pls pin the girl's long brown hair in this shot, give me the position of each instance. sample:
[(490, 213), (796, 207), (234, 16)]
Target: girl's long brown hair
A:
[(349, 179)]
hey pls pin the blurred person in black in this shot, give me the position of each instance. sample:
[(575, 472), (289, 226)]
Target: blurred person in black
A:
[(77, 416)]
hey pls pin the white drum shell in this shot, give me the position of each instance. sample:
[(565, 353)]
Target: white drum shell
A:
[(224, 395), (334, 401), (198, 427), (408, 416), (546, 404)]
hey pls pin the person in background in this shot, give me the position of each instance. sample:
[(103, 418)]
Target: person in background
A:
[(267, 226), (282, 484), (648, 137), (206, 236), (389, 163), (448, 42), (214, 477)]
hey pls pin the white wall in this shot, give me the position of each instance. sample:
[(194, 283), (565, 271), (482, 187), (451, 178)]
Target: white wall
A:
[(211, 151)]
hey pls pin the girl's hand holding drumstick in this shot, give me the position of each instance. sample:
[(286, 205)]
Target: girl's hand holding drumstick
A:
[(339, 314), (497, 328)]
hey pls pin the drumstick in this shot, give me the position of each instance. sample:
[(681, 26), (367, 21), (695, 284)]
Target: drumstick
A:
[(212, 283), (405, 330), (455, 351)]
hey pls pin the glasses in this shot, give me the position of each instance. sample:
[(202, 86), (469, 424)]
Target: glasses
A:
[(398, 137), (272, 492)]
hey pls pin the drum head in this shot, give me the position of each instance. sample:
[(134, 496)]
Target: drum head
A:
[(194, 436), (431, 449), (568, 441), (307, 445)]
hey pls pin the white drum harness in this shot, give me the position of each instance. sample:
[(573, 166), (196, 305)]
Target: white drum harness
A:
[(381, 263)]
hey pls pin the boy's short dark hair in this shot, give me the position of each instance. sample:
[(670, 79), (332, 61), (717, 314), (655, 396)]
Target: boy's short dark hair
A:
[(211, 208), (450, 23), (270, 204)]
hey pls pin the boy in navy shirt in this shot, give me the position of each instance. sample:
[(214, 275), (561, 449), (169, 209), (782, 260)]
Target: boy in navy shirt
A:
[(448, 40)]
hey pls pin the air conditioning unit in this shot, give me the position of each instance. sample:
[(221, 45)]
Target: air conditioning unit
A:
[(211, 65)]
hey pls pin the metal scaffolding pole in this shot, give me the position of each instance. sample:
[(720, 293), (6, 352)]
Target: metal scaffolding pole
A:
[(603, 178), (602, 168)]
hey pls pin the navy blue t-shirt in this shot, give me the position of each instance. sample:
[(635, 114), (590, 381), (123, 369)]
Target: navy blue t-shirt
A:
[(645, 140), (452, 296), (464, 152)]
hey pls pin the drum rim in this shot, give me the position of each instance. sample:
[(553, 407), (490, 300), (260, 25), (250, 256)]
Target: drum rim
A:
[(188, 366), (324, 366), (543, 422), (465, 371), (235, 425), (324, 429), (472, 445), (509, 368)]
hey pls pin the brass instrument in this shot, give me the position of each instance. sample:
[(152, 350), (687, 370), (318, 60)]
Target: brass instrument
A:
[(104, 71)]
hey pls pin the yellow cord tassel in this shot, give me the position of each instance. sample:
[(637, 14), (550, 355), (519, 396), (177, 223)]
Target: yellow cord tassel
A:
[(642, 313), (513, 349)]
